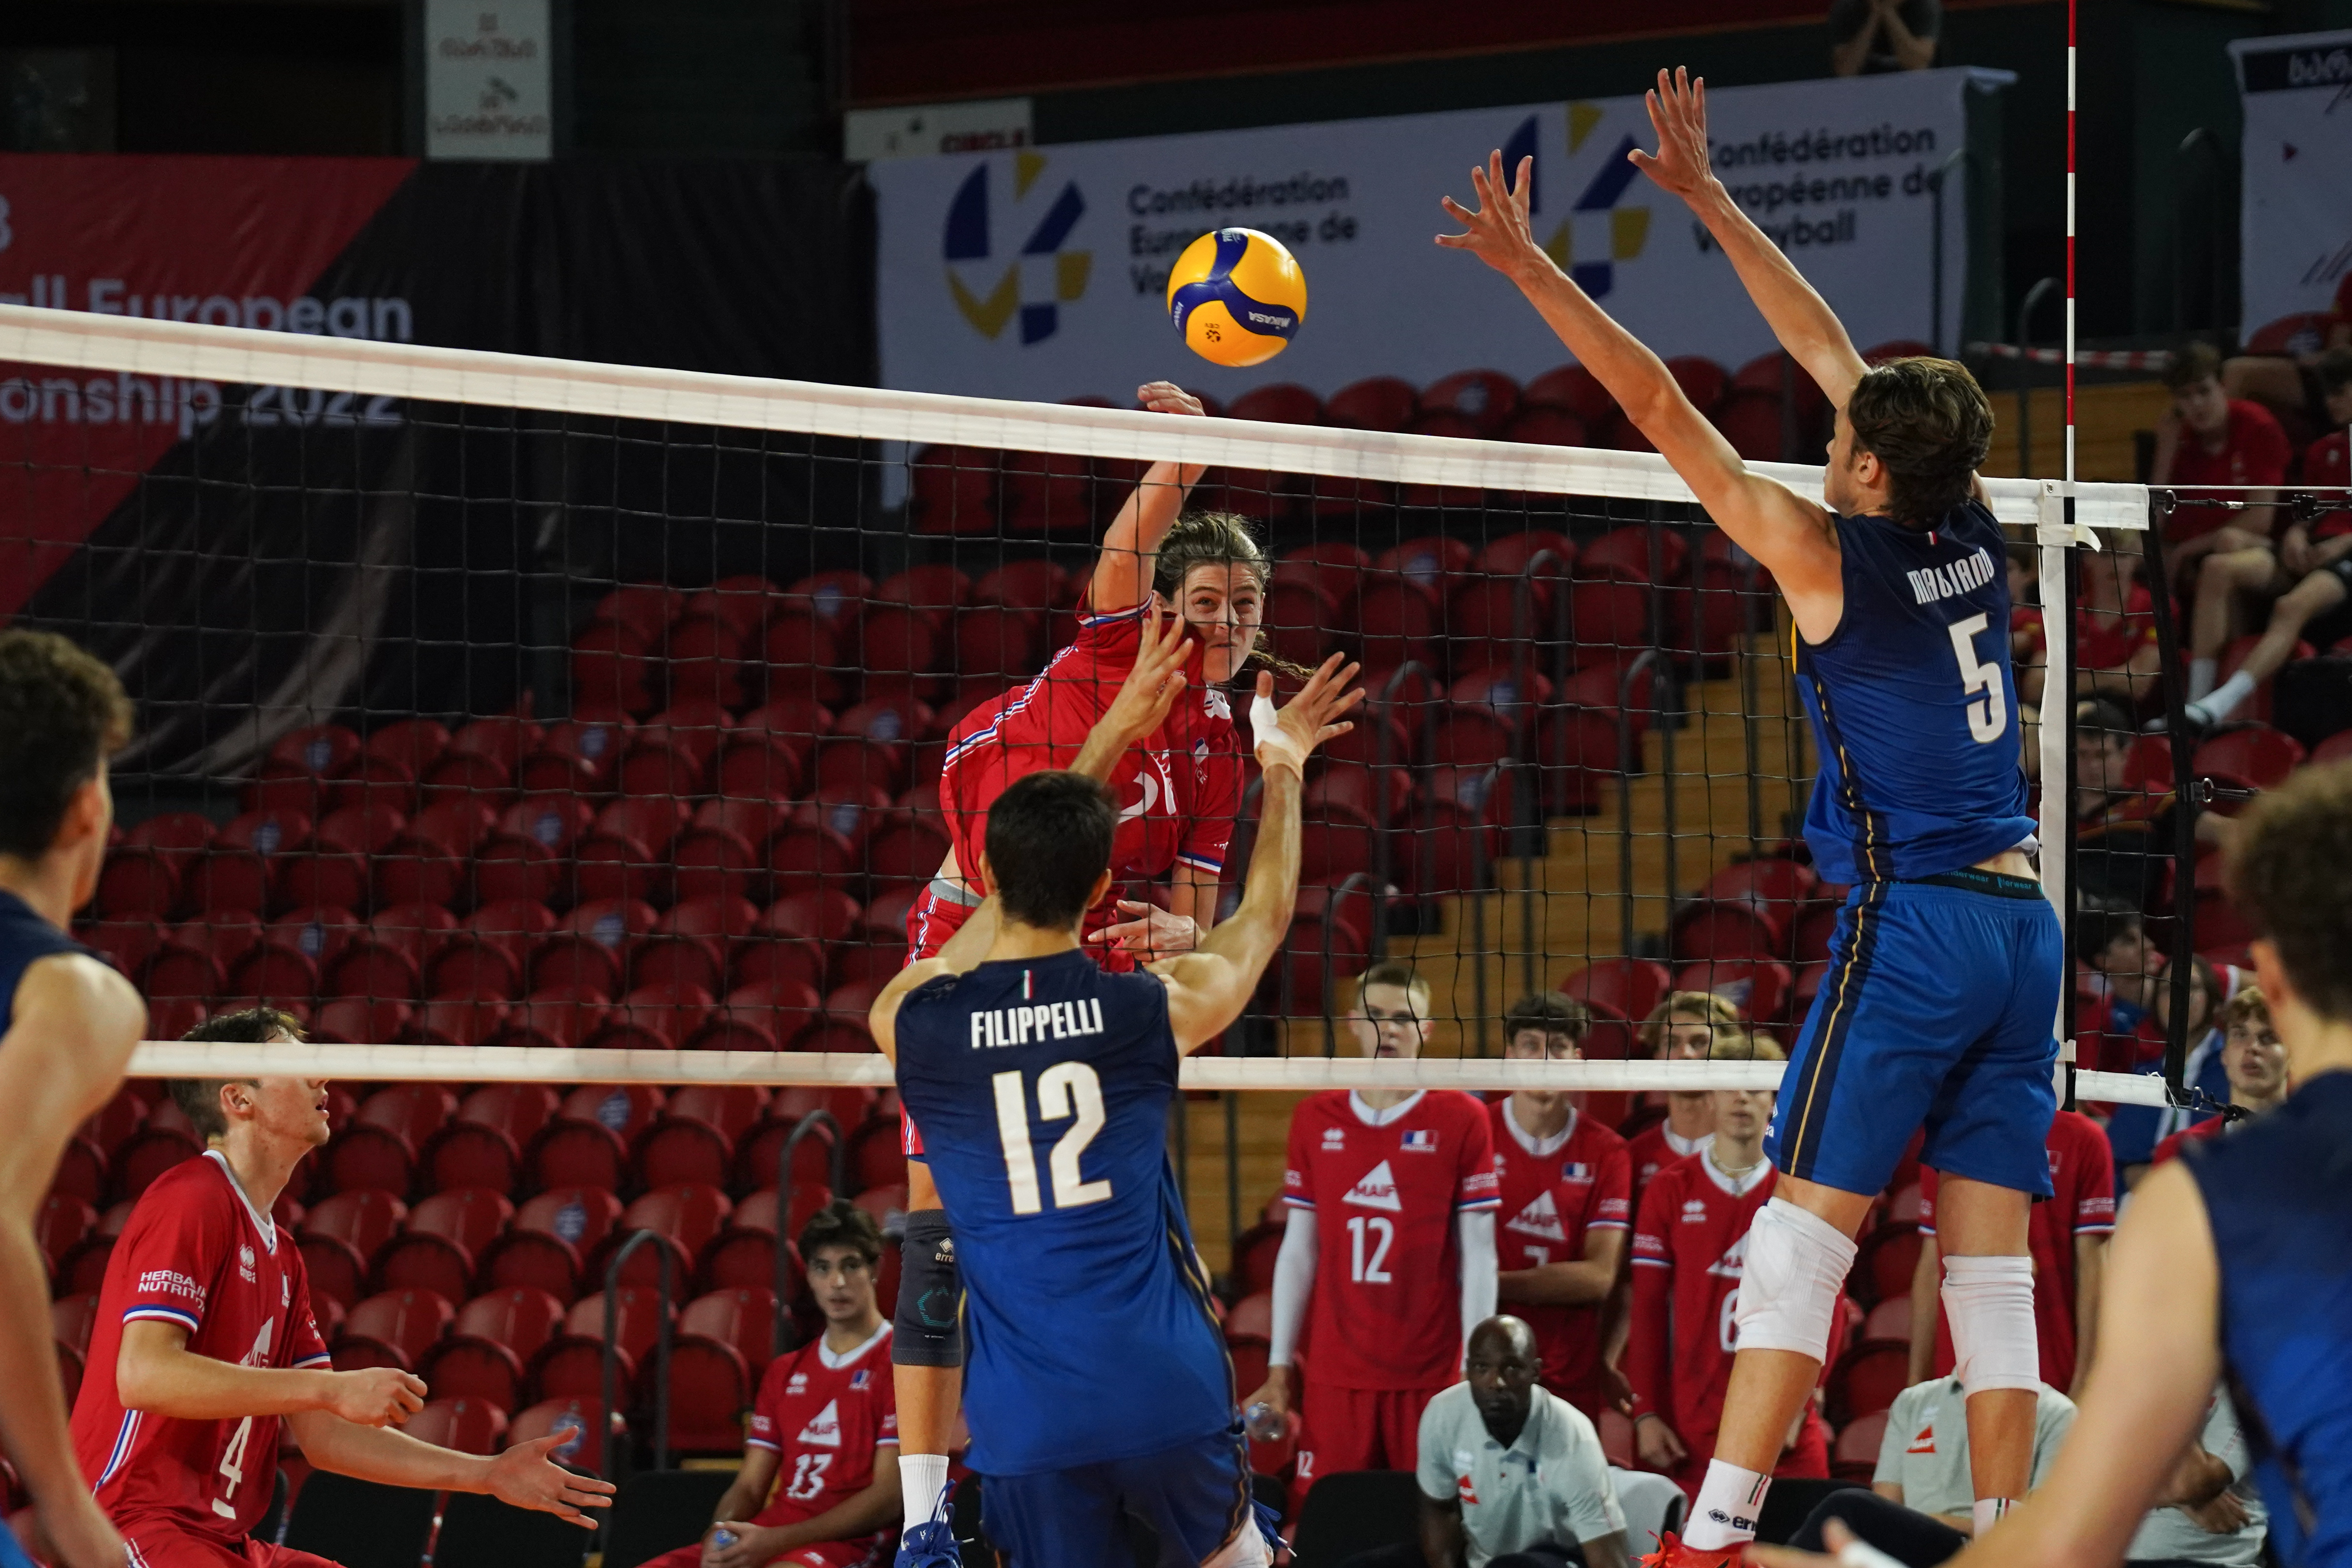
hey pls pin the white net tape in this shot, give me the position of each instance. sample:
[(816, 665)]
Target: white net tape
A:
[(247, 356), (509, 1064)]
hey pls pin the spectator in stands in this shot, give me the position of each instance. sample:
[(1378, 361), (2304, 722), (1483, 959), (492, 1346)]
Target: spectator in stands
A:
[(2207, 1514), (2254, 1064), (2209, 439), (830, 1406), (1511, 1476), (1405, 1267), (2111, 938), (2313, 574), (2115, 651), (1690, 1244), (1682, 1029), (1869, 37), (2124, 835), (1567, 1204), (2066, 1237), (2289, 384), (2133, 1130)]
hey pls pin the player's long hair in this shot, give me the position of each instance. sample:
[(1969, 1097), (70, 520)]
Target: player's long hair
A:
[(1216, 539), (1928, 421)]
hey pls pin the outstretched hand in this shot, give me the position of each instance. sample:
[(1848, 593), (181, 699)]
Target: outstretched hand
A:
[(1308, 719), (1157, 679), (525, 1478), (1678, 113), (1496, 233), (1167, 398)]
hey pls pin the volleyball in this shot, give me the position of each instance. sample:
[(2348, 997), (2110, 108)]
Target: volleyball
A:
[(1236, 295)]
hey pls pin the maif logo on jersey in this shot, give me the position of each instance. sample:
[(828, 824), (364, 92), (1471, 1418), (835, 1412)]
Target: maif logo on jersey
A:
[(824, 1432), (1541, 1219), (1378, 1190)]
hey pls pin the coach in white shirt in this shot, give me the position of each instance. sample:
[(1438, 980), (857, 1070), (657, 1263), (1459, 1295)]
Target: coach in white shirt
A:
[(1511, 1474)]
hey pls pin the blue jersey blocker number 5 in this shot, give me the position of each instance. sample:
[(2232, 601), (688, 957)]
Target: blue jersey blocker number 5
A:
[(1067, 1091), (1988, 718)]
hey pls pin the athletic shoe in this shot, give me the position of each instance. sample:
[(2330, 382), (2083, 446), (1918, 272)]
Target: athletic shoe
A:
[(1674, 1553), (929, 1546)]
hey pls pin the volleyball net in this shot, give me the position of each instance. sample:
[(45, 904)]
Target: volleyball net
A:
[(522, 719)]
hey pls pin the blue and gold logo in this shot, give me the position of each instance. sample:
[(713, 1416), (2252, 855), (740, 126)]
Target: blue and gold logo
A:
[(1599, 232), (993, 279)]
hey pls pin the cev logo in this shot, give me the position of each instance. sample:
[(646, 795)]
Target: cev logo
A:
[(1597, 233), (992, 277)]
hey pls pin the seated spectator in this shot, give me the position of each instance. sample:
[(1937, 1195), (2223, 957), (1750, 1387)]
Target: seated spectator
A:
[(2251, 1060), (2209, 447), (1511, 1476), (1566, 1191), (1923, 1460), (2312, 577), (2207, 1514), (1682, 1029), (1872, 38), (2116, 653), (2111, 937), (2289, 384), (2124, 835), (1690, 1245), (830, 1408), (2066, 1237), (2133, 1130)]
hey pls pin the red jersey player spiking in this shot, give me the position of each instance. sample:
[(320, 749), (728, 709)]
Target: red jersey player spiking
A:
[(205, 1341), (1690, 1244), (1392, 1196), (1566, 1188), (824, 1428)]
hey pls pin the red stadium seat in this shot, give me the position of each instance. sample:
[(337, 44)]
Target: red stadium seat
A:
[(564, 1017), (341, 1234), (658, 1017), (81, 1172), (479, 761), (136, 1165), (741, 1318), (525, 857), (623, 856), (58, 1226), (1702, 380), (1866, 1379), (709, 1392), (718, 855), (1777, 373), (238, 870), (494, 1336), (1381, 403), (1890, 1320), (388, 958), (571, 1363), (1631, 987), (551, 1233), (1433, 561), (1887, 1256), (2258, 755), (687, 1217), (571, 1153), (1253, 1255), (468, 1425), (332, 868), (445, 1235), (468, 1018), (1717, 929), (429, 861), (393, 1328), (1761, 991), (1749, 418), (1855, 1456), (1485, 397), (412, 1112), (589, 946), (683, 1149), (1574, 388), (581, 756), (583, 1424), (487, 953), (763, 1015)]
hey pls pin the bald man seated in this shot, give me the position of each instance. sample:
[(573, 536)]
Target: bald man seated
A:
[(1511, 1474)]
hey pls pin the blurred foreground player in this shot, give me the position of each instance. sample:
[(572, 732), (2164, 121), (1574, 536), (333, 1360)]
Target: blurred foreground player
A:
[(1097, 1379), (204, 1342), (2234, 1261), (1945, 966), (67, 1026), (1389, 1242), (825, 1425)]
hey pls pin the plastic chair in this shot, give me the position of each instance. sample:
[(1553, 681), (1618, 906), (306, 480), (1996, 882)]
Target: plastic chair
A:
[(445, 1235), (589, 947), (393, 1328), (1866, 1378), (468, 1425)]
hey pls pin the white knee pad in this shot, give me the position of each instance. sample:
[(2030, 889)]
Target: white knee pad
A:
[(1989, 1301), (1797, 1264)]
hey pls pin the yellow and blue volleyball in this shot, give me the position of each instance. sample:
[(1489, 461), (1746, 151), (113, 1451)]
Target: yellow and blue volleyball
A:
[(1236, 295)]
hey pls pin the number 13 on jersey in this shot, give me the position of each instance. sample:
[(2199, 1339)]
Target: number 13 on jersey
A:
[(1067, 1091)]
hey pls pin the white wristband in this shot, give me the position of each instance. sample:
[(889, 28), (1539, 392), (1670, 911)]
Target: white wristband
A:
[(1270, 743), (1862, 1555)]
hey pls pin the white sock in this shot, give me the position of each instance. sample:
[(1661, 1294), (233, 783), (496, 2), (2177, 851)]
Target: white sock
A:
[(922, 1478), (2217, 704), (1729, 1501), (2200, 676), (1986, 1511)]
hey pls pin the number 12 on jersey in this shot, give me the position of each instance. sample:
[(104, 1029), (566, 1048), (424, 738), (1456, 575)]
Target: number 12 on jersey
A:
[(1067, 1091)]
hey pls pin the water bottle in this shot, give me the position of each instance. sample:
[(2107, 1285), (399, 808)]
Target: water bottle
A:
[(1263, 1423), (722, 1539)]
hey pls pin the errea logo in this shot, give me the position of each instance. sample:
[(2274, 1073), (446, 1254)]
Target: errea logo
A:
[(1694, 1211)]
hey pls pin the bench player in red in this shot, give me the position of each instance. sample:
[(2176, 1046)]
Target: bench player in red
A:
[(1178, 781), (1566, 1191), (825, 1424), (205, 1341)]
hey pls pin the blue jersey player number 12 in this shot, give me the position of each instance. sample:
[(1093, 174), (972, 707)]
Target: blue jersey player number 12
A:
[(1945, 967), (1097, 1385)]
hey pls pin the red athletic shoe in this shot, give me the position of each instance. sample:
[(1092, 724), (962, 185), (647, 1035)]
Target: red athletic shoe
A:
[(1674, 1553)]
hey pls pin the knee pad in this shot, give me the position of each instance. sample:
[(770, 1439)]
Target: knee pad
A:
[(928, 1328), (1797, 1264), (1989, 1301)]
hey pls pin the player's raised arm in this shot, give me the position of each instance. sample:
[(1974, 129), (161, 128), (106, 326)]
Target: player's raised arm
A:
[(1207, 987), (1151, 689), (1791, 536), (1798, 316), (1123, 571)]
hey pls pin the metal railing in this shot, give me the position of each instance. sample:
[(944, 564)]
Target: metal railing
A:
[(781, 1336), (666, 1295)]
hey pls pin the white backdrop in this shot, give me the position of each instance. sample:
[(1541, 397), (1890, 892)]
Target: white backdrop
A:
[(2295, 235), (1041, 273)]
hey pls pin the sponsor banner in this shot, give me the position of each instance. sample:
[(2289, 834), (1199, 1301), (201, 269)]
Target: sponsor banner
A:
[(1041, 272), (921, 129), (2295, 231)]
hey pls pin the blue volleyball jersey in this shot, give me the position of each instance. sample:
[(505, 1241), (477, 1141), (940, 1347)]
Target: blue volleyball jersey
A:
[(25, 939), (1912, 704), (2280, 1212), (1042, 1088)]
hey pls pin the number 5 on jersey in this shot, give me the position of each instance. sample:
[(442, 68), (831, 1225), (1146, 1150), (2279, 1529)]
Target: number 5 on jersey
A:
[(1979, 680), (1067, 1091)]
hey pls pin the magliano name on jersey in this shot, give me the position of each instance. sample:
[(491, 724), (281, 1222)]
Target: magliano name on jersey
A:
[(997, 1027), (1950, 581)]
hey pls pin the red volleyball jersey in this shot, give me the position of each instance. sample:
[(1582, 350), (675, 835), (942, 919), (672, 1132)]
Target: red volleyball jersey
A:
[(1690, 1249), (1179, 789), (197, 1253), (2170, 1146), (1385, 1187), (2083, 1172), (2254, 451), (1552, 1194), (1653, 1149), (824, 1415)]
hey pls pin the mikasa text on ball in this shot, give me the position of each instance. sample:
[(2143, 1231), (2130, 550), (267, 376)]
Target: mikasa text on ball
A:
[(1236, 295)]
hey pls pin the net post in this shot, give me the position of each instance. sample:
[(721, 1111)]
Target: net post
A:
[(2055, 537)]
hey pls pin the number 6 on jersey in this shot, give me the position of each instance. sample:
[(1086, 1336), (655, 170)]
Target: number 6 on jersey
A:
[(1065, 1092)]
